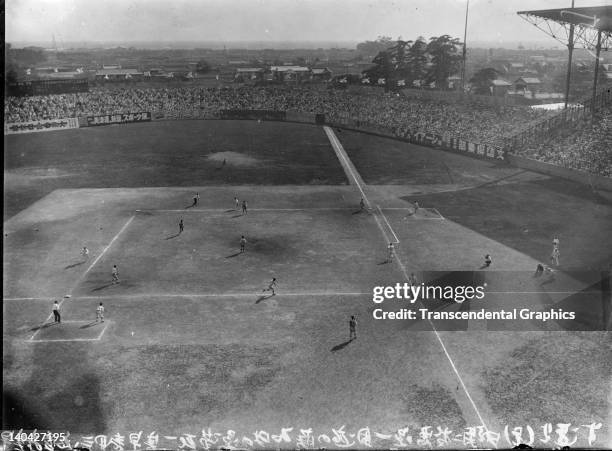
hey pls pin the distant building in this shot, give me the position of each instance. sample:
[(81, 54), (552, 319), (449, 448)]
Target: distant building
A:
[(528, 85), (321, 74), (62, 75), (454, 82), (249, 74), (289, 73), (607, 71), (500, 87), (119, 75), (515, 68)]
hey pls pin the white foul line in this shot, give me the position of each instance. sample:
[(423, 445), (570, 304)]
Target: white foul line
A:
[(46, 340), (389, 225), (233, 210), (239, 295), (125, 226), (340, 153), (199, 295), (335, 142)]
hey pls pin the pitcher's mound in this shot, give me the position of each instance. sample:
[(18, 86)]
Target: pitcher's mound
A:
[(233, 158)]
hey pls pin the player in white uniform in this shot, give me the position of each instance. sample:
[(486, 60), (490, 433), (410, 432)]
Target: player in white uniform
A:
[(115, 274), (554, 257), (390, 252), (100, 313)]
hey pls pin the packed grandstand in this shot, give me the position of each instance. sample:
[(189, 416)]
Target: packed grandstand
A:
[(582, 145)]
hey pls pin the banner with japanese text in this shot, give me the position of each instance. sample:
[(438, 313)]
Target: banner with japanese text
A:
[(120, 118), (41, 126)]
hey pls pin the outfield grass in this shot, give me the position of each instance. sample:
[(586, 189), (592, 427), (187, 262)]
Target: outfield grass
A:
[(184, 153), (191, 343), (520, 209), (386, 161), (527, 215)]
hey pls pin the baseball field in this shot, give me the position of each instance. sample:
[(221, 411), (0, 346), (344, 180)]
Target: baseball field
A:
[(191, 341)]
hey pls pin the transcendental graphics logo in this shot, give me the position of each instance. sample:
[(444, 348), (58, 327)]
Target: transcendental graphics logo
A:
[(446, 297)]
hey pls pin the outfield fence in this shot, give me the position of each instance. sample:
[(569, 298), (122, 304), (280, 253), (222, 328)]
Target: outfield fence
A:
[(445, 141)]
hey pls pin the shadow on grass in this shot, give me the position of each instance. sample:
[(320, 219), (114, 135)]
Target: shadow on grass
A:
[(102, 287), (172, 236), (234, 255), (44, 326), (385, 262), (237, 216), (263, 297), (74, 265), (499, 179), (549, 280), (358, 212), (189, 206), (340, 346), (87, 326)]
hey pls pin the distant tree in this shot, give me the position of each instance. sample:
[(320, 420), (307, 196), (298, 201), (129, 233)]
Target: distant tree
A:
[(445, 59), (11, 76), (481, 81), (202, 67), (581, 82), (418, 60), (381, 44), (400, 57), (383, 66)]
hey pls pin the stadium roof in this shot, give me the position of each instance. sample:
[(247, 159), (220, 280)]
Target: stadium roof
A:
[(590, 27), (598, 17)]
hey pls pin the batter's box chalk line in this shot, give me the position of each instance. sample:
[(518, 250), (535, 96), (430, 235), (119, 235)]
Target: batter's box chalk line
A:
[(425, 213), (49, 340)]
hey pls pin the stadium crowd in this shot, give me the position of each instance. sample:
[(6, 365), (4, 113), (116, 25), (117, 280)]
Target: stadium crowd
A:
[(388, 110), (585, 147)]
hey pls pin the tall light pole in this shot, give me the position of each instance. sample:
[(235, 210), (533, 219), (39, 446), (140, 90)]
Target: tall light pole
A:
[(467, 8), (570, 48)]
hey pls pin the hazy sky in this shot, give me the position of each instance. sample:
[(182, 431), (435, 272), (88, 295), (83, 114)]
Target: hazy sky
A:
[(270, 20)]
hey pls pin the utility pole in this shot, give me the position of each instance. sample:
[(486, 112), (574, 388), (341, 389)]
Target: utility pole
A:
[(598, 50), (467, 7)]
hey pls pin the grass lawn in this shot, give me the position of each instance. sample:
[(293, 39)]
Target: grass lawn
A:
[(191, 342), (184, 153)]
